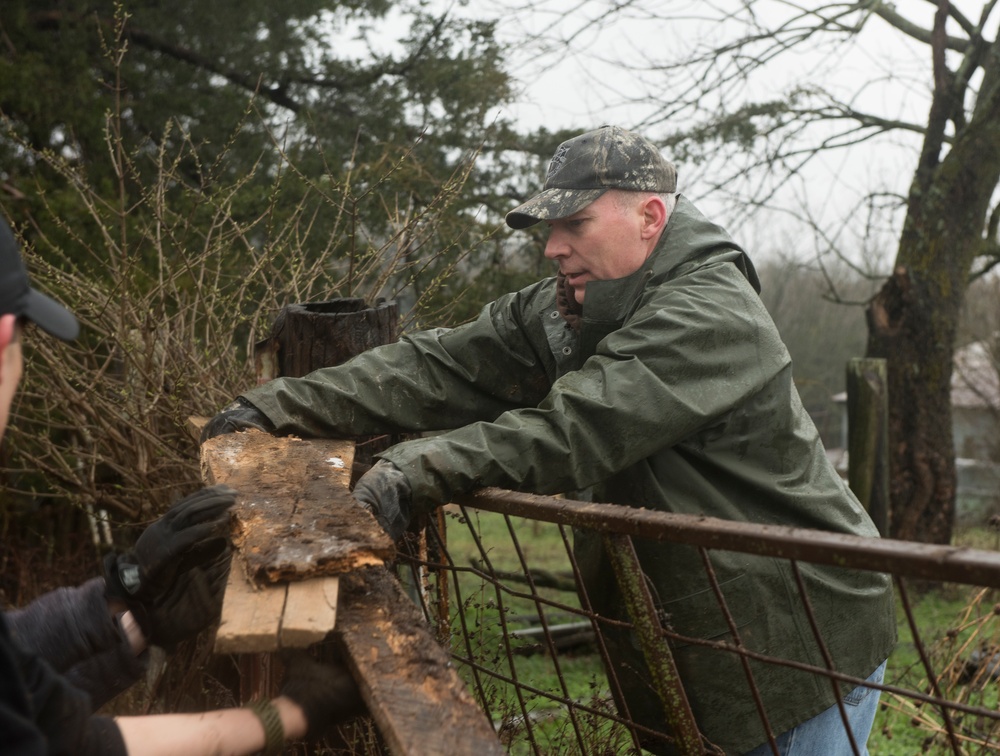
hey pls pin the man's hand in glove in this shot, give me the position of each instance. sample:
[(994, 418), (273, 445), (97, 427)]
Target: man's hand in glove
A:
[(173, 578), (241, 415), (325, 691), (385, 492)]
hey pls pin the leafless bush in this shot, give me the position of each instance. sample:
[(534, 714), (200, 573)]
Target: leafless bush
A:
[(173, 281)]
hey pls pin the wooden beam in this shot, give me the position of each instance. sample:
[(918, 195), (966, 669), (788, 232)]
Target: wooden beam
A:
[(251, 617), (310, 559), (408, 681), (310, 611), (295, 521)]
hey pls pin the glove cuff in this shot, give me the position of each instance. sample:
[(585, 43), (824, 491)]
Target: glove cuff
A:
[(114, 588), (121, 582), (270, 719)]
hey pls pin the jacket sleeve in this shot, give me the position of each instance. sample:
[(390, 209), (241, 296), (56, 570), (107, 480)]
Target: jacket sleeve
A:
[(41, 713), (696, 347), (432, 380), (72, 629)]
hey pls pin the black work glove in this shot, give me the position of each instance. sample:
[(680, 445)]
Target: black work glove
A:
[(192, 537), (385, 492), (191, 604), (241, 415), (325, 690)]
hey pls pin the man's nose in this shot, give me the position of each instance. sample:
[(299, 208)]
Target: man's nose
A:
[(555, 245)]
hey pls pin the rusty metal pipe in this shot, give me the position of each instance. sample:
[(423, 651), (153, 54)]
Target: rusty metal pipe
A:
[(906, 558)]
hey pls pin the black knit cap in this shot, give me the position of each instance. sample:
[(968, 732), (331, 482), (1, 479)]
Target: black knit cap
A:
[(18, 298), (586, 166)]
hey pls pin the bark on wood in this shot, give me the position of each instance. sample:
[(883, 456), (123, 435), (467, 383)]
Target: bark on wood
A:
[(418, 701), (306, 337), (917, 340), (295, 517)]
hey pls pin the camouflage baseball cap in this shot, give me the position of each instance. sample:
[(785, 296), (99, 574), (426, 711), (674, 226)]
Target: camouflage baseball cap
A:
[(587, 166)]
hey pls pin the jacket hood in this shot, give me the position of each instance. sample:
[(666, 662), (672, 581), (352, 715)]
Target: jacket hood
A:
[(691, 240)]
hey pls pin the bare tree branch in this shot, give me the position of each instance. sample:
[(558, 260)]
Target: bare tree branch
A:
[(887, 12)]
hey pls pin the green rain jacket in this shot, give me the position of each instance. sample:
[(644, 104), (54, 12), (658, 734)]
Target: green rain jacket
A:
[(675, 394)]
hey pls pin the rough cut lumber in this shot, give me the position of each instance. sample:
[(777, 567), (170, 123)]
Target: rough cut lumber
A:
[(292, 495), (251, 617), (295, 517), (408, 681), (310, 611)]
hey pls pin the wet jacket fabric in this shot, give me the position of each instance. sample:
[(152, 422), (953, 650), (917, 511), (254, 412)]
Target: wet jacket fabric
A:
[(674, 393)]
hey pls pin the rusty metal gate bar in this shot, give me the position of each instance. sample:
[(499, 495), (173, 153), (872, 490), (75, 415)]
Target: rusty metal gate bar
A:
[(902, 559), (825, 651), (907, 558), (477, 669), (518, 687), (744, 661), (602, 647), (545, 626), (932, 678)]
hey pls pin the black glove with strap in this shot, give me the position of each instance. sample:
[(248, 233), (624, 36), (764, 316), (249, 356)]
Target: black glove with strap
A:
[(172, 579), (241, 415), (385, 492), (325, 691), (192, 603)]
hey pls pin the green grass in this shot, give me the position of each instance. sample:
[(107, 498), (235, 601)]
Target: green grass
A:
[(952, 621)]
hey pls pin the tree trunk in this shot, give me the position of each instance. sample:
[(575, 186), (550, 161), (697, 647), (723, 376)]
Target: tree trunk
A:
[(913, 320), (905, 327)]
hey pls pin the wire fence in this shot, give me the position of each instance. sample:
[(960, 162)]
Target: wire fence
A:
[(497, 578)]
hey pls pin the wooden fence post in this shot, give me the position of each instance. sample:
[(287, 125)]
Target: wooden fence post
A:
[(314, 335), (868, 437)]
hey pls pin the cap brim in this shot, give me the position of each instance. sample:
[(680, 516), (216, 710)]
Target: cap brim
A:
[(551, 204), (50, 316)]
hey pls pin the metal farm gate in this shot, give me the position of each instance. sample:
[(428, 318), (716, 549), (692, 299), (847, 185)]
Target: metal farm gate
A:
[(500, 585)]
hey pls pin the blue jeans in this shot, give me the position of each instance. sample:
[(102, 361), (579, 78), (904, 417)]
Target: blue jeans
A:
[(824, 734)]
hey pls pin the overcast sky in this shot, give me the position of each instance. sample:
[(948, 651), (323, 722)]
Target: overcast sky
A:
[(572, 63)]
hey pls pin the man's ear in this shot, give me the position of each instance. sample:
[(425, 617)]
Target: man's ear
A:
[(654, 216), (8, 329)]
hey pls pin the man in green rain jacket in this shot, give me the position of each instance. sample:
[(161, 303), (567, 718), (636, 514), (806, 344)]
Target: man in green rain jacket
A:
[(647, 373)]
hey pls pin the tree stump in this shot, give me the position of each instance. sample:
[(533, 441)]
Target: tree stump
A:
[(310, 336)]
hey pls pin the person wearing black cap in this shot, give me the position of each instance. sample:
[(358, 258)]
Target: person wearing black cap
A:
[(645, 373), (73, 649)]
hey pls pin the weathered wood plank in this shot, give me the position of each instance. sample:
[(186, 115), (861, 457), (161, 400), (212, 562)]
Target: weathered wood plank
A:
[(310, 611), (868, 437), (295, 517), (251, 617), (418, 701)]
